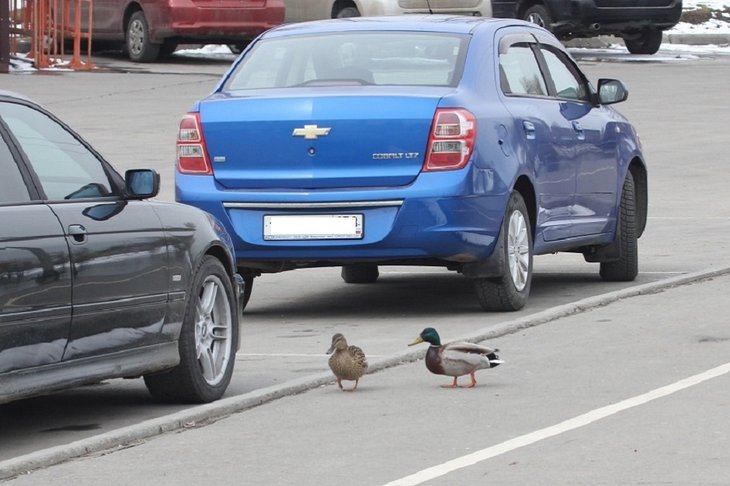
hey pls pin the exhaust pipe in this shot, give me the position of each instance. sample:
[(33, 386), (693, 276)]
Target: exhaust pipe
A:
[(595, 26)]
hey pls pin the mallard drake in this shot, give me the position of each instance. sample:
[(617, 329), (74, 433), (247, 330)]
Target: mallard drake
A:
[(347, 362), (456, 359)]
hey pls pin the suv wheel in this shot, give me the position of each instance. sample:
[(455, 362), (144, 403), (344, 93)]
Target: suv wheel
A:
[(537, 14), (648, 42)]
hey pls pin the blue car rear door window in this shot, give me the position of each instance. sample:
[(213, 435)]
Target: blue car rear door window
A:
[(521, 73)]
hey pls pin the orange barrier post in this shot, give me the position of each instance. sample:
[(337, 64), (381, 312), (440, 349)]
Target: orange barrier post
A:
[(76, 62), (50, 26)]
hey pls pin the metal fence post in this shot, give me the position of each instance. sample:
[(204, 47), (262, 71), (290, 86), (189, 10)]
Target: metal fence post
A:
[(4, 36)]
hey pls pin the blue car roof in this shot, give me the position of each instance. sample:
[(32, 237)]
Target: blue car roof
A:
[(458, 24)]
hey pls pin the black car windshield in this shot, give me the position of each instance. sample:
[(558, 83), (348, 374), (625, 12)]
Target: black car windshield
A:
[(364, 58)]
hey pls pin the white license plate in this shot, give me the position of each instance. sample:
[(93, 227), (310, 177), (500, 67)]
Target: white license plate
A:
[(313, 227)]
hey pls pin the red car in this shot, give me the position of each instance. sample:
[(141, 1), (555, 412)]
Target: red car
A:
[(150, 28)]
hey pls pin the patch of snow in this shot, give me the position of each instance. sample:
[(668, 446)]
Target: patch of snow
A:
[(713, 26), (713, 4)]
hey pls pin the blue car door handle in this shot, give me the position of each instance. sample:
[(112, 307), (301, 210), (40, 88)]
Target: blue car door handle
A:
[(77, 232), (529, 129), (579, 130)]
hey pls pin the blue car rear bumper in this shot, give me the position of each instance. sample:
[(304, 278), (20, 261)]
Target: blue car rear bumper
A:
[(453, 217)]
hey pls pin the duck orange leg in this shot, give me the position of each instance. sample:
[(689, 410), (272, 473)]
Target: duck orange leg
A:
[(473, 381), (453, 385)]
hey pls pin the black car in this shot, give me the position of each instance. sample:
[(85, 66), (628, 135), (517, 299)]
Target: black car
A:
[(639, 22), (96, 280)]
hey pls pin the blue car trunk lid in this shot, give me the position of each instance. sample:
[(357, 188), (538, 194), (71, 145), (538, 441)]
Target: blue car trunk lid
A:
[(309, 142)]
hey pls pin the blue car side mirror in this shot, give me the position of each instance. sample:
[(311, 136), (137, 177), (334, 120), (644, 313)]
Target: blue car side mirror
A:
[(611, 91)]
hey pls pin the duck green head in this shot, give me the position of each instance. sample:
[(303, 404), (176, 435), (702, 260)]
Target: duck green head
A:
[(428, 335)]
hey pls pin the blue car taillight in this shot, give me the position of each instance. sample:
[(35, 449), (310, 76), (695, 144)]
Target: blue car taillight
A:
[(192, 154), (451, 141)]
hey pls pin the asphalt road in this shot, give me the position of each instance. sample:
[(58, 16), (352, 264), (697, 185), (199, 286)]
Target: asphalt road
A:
[(130, 114), (634, 392)]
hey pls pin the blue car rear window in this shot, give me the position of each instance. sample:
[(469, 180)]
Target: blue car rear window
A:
[(364, 58)]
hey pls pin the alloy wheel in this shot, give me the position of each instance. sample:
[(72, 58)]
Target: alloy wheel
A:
[(213, 330), (136, 37), (518, 250)]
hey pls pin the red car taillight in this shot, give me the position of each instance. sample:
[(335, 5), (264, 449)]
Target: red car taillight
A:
[(192, 154), (451, 142)]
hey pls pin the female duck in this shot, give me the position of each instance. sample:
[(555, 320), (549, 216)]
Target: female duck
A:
[(347, 362)]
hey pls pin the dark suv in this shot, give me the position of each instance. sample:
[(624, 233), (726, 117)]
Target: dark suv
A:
[(639, 22)]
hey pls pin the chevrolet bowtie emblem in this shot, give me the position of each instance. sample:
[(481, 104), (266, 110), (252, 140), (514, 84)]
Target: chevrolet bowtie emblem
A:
[(311, 132)]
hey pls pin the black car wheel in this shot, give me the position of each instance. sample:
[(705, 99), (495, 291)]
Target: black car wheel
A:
[(207, 341), (139, 47), (626, 268), (510, 291), (360, 273), (648, 42), (537, 14)]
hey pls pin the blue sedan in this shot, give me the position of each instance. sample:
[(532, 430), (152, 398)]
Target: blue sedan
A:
[(467, 143)]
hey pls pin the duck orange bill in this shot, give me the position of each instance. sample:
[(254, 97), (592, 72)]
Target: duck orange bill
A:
[(418, 340)]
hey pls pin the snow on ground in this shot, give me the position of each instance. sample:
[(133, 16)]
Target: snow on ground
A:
[(713, 4), (713, 26)]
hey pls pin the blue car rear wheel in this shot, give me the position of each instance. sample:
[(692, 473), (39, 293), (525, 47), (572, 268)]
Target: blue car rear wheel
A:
[(509, 292)]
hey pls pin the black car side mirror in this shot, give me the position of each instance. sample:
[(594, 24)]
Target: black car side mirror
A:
[(141, 183), (611, 91)]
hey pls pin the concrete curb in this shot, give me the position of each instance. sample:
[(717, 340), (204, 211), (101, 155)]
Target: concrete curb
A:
[(205, 414)]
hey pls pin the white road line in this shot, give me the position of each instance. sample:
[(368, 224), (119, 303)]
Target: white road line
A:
[(566, 426)]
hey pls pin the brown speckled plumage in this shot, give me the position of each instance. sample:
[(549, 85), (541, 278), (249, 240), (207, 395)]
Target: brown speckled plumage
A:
[(347, 362)]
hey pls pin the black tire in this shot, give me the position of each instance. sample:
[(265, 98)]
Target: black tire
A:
[(510, 291), (626, 268), (137, 40), (346, 12), (207, 341), (361, 273), (647, 43), (537, 14)]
